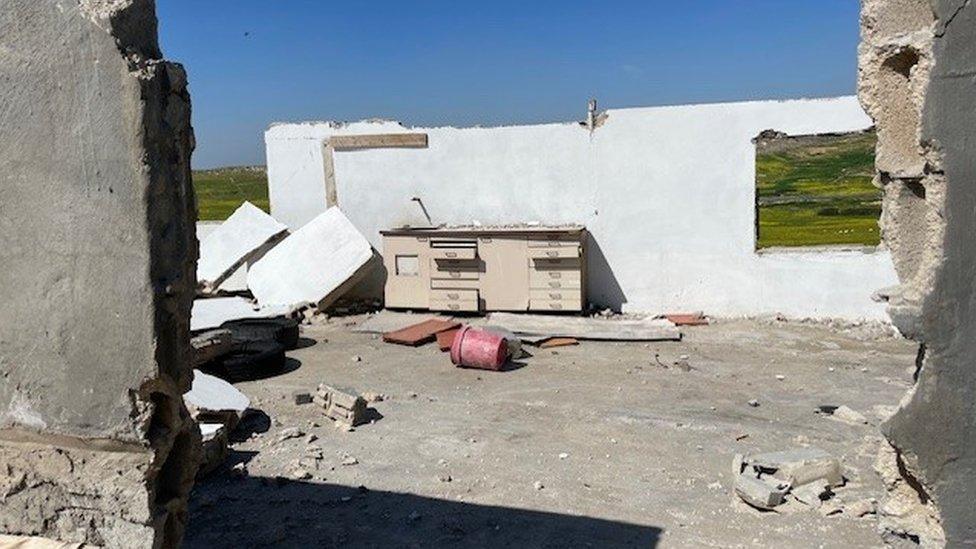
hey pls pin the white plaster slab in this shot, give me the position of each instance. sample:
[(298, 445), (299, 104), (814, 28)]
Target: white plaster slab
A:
[(234, 242), (211, 313), (587, 328), (390, 321), (311, 264), (212, 394)]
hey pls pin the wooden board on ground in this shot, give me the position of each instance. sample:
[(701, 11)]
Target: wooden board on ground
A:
[(587, 328), (554, 342), (446, 338), (391, 321), (687, 319), (420, 334)]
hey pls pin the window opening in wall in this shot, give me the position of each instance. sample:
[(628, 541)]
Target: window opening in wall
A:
[(816, 190)]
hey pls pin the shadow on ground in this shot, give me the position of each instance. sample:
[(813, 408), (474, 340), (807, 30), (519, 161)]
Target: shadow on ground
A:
[(228, 512)]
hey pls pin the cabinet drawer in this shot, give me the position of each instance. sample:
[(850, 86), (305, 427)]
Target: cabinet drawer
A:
[(454, 284), (565, 264), (454, 306), (555, 295), (555, 305), (553, 241), (559, 252), (570, 278), (455, 269), (454, 253), (454, 295)]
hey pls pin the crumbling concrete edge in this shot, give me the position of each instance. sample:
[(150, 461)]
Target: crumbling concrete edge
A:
[(909, 82), (166, 445)]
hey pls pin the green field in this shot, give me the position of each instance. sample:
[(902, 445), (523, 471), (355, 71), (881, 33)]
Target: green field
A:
[(817, 190), (221, 191)]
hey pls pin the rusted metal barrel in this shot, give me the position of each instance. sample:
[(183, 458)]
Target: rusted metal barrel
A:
[(482, 349)]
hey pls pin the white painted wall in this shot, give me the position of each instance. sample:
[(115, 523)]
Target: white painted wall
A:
[(668, 194)]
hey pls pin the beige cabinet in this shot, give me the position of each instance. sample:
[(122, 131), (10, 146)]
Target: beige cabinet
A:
[(478, 269)]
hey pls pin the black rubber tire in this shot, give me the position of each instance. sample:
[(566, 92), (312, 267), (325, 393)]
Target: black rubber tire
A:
[(282, 330), (253, 360)]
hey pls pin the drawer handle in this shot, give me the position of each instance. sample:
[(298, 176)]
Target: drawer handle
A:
[(555, 284), (554, 274), (455, 274), (450, 254), (556, 305), (552, 254), (453, 296), (453, 306), (555, 296)]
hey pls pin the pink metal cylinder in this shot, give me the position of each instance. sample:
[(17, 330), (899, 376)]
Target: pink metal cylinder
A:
[(473, 348)]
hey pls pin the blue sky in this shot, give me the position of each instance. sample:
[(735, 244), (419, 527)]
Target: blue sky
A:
[(439, 62)]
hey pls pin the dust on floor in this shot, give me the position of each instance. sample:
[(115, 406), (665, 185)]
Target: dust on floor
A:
[(602, 445)]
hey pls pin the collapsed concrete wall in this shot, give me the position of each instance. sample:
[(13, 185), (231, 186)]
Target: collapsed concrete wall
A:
[(668, 194), (98, 255), (917, 67)]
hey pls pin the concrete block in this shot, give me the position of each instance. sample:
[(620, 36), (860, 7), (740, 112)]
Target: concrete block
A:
[(762, 493), (235, 242), (313, 265), (800, 466), (212, 313)]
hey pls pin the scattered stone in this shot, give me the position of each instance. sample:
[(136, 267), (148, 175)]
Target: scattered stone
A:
[(563, 455), (780, 377), (538, 485), (415, 516), (371, 397), (799, 466), (238, 470), (848, 415), (289, 433), (301, 474), (762, 493), (812, 494), (357, 358), (444, 477), (754, 403), (301, 397), (861, 508), (349, 460)]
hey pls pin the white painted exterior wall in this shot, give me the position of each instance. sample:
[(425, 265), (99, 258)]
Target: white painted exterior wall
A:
[(668, 194)]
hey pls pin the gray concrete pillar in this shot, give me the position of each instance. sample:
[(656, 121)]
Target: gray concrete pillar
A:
[(97, 270), (918, 82)]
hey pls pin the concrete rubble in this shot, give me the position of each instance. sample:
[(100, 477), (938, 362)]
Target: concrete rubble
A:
[(98, 276), (243, 238), (916, 65), (209, 314), (807, 474), (315, 265), (343, 406)]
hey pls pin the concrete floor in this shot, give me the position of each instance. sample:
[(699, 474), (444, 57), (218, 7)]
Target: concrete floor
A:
[(627, 453)]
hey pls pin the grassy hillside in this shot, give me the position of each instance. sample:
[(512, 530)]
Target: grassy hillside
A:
[(221, 191), (817, 190)]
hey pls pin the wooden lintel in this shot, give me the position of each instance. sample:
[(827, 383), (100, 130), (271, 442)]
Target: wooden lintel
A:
[(379, 141)]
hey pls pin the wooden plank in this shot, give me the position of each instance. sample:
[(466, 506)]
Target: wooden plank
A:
[(587, 328), (419, 334), (379, 141)]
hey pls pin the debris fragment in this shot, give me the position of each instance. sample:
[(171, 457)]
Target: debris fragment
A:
[(420, 333), (301, 397), (754, 403), (348, 460), (760, 492), (538, 485), (211, 345), (446, 338), (582, 328), (246, 234), (343, 406), (554, 342), (806, 474), (848, 415), (315, 264), (687, 319), (213, 400)]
